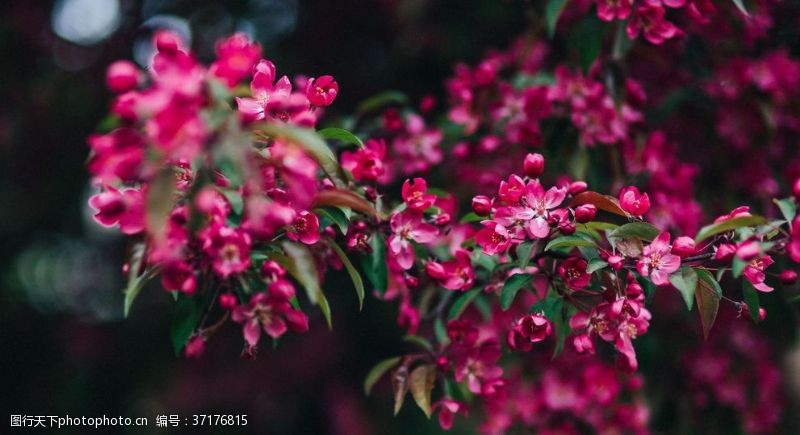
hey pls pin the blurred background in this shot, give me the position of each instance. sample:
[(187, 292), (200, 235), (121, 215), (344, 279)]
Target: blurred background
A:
[(64, 344), (65, 347)]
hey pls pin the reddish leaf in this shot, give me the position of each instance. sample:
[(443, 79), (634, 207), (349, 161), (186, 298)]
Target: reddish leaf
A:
[(344, 198), (707, 297), (421, 384), (602, 202), (399, 386)]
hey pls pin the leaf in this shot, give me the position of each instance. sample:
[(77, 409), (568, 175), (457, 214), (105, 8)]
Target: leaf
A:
[(561, 325), (512, 285), (440, 331), (599, 226), (552, 11), (550, 307), (471, 217), (419, 341), (357, 282), (336, 216), (788, 208), (685, 280), (524, 251), (589, 42), (707, 296), (568, 242), (378, 371), (381, 100), (737, 266), (631, 247), (595, 265), (399, 386), (728, 225), (751, 299), (235, 200), (135, 283), (299, 262), (461, 304), (344, 198), (602, 202), (420, 382), (340, 134), (160, 202), (740, 5), (188, 310), (312, 143), (374, 264), (641, 230)]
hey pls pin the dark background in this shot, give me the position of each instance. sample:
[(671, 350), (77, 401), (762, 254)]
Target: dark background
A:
[(64, 346)]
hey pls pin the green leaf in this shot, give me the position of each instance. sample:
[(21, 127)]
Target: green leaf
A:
[(512, 285), (568, 242), (374, 264), (471, 217), (335, 216), (550, 307), (340, 134), (420, 382), (685, 280), (441, 332), (344, 198), (589, 42), (707, 296), (737, 266), (135, 283), (357, 282), (751, 299), (419, 341), (599, 226), (552, 11), (312, 143), (381, 100), (160, 202), (641, 230), (561, 325), (740, 5), (235, 200), (788, 208), (463, 301), (595, 265), (299, 262), (524, 251), (378, 371), (188, 311), (728, 225)]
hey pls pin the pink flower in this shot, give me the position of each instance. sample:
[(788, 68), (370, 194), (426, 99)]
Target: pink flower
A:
[(455, 274), (178, 276), (793, 247), (511, 191), (447, 409), (527, 330), (634, 202), (418, 147), (228, 248), (754, 272), (125, 208), (493, 238), (236, 56), (649, 20), (322, 91), (272, 314), (408, 226), (741, 211), (609, 10), (573, 273), (537, 205), (415, 195), (367, 163), (658, 261), (305, 228)]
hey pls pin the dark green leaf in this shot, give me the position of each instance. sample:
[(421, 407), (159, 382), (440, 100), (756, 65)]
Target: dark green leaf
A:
[(462, 303), (374, 264), (312, 143), (641, 230), (737, 266), (524, 251), (335, 216), (728, 225), (441, 332), (419, 341), (561, 326), (552, 11), (351, 270), (685, 280), (568, 242), (788, 208), (595, 265), (471, 217), (188, 310), (341, 135), (751, 299), (299, 262), (235, 200), (378, 371), (381, 100), (512, 285), (707, 296)]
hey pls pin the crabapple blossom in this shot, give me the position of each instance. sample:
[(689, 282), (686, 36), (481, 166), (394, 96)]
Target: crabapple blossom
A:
[(658, 261)]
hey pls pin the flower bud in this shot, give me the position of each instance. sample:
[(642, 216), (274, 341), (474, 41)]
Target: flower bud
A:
[(788, 277), (585, 213), (616, 262), (411, 281), (577, 187), (533, 166), (796, 188), (122, 76), (683, 247), (567, 228), (272, 270), (482, 205), (725, 252), (167, 41), (195, 347), (370, 194), (227, 301), (443, 219), (282, 289)]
